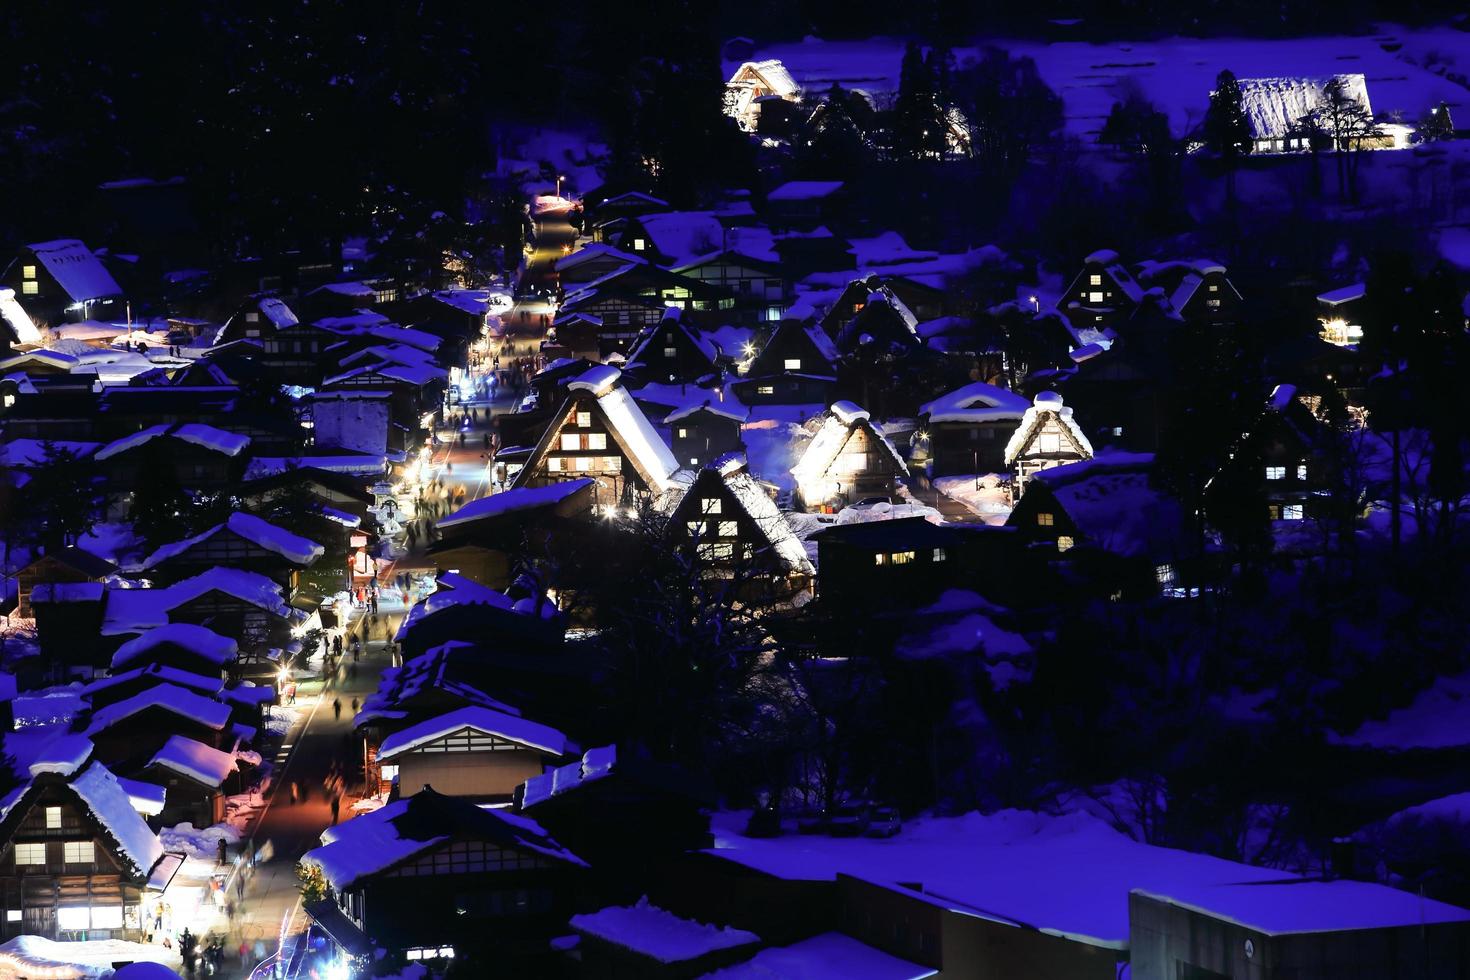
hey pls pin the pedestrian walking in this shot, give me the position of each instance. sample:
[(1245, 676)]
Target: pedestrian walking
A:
[(221, 860), (295, 792), (336, 806), (337, 708)]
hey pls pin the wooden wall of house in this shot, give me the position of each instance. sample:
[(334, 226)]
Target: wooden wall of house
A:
[(473, 774)]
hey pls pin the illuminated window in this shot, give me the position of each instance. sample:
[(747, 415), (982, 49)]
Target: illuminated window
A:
[(78, 852), (681, 434), (107, 917), (1164, 574), (1276, 472), (901, 557), (709, 505), (613, 464), (27, 854), (724, 551), (53, 818), (1065, 542), (671, 352), (939, 554), (584, 419), (12, 915), (1301, 471), (570, 442), (1094, 297), (597, 440), (792, 364), (696, 528), (639, 244), (1045, 520), (28, 272), (252, 317), (1049, 442), (1273, 511), (1292, 512), (553, 464), (765, 390), (584, 463), (880, 559), (429, 953), (729, 529), (1095, 279), (1214, 288), (73, 919), (30, 287)]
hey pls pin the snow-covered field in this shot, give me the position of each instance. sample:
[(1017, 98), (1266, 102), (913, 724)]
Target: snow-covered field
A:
[(990, 499), (1439, 718), (1403, 69)]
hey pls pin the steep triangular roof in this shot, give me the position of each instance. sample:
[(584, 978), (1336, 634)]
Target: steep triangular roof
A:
[(729, 473), (1045, 407), (843, 419)]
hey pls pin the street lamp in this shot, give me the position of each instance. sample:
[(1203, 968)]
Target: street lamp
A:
[(559, 179)]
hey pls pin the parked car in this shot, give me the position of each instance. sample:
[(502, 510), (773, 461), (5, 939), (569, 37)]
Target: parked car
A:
[(848, 820), (885, 822)]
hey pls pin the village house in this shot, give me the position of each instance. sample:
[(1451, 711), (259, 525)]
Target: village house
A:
[(806, 204), (432, 878), (630, 816), (199, 456), (244, 700), (847, 460), (600, 433), (1199, 291), (966, 430), (1114, 528), (294, 352), (17, 329), (1340, 313), (796, 365), (130, 732), (759, 284), (460, 608), (195, 777), (78, 861), (181, 646), (479, 539), (63, 281), (243, 541), (755, 82), (1293, 453), (1102, 293), (701, 431), (1047, 436), (590, 263), (883, 322), (65, 565), (903, 562), (913, 299), (1275, 109), (628, 204), (672, 351), (733, 525), (259, 316), (475, 752)]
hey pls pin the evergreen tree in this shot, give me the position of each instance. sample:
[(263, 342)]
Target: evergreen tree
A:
[(1010, 111), (918, 127), (1227, 131)]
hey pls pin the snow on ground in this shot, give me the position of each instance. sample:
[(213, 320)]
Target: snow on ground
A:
[(114, 541), (991, 500), (202, 844), (283, 717), (1454, 246), (35, 956), (774, 439), (1438, 718)]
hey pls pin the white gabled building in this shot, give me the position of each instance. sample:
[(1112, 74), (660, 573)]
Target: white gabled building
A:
[(1047, 436), (753, 81)]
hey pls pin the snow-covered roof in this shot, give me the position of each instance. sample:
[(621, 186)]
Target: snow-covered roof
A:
[(162, 672), (1343, 294), (842, 418), (594, 250), (978, 402), (1292, 906), (481, 719), (373, 842), (196, 639), (658, 934), (274, 309), (683, 236), (79, 272), (770, 71), (134, 610), (63, 755), (1110, 499), (598, 380), (594, 765), (187, 704), (293, 547), (510, 501), (1274, 106), (725, 409), (804, 190), (109, 803), (22, 327), (196, 760), (672, 320), (731, 469), (1045, 406), (196, 433)]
